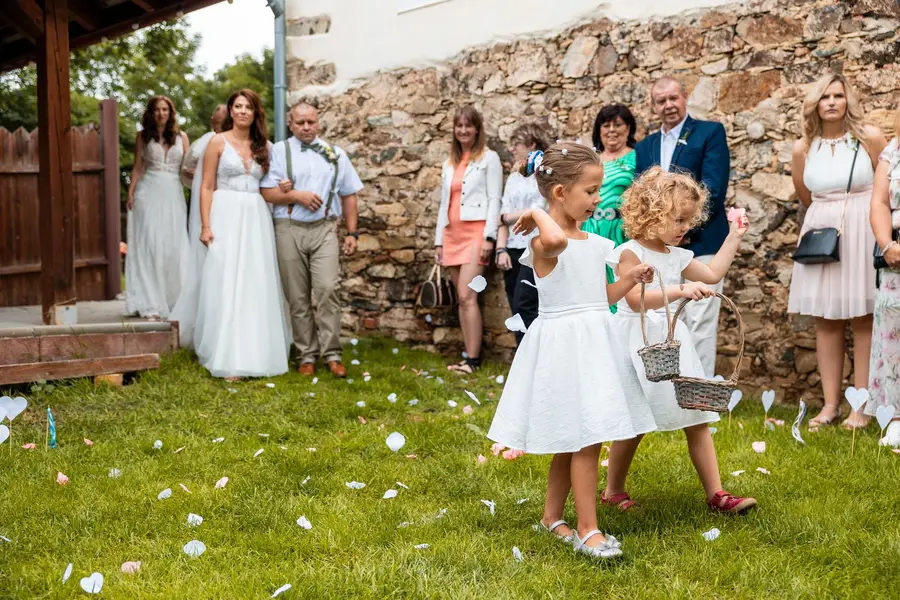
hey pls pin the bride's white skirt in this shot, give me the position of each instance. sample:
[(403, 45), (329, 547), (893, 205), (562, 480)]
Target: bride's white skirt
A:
[(157, 239), (241, 330)]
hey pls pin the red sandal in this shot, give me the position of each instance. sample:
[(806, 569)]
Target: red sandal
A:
[(622, 501), (724, 502)]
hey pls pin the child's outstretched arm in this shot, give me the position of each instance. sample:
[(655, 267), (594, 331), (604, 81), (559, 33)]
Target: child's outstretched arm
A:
[(629, 277), (715, 271), (653, 299), (551, 239)]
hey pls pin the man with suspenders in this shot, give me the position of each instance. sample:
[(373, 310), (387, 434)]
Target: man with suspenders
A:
[(325, 185)]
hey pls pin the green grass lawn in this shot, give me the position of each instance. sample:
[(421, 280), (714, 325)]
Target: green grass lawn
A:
[(827, 525)]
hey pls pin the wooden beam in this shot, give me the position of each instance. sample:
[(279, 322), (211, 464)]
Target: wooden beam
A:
[(112, 198), (26, 16), (68, 369), (29, 268), (83, 12), (57, 201), (146, 6)]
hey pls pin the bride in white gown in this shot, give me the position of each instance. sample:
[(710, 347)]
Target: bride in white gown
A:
[(241, 330), (157, 215)]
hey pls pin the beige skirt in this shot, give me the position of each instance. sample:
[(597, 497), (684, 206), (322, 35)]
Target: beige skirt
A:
[(845, 289)]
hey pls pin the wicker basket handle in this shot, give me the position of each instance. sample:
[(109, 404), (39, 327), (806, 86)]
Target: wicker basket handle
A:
[(669, 322), (740, 320)]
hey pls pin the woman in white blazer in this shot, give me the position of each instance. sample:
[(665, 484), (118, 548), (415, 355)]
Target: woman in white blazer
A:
[(471, 188)]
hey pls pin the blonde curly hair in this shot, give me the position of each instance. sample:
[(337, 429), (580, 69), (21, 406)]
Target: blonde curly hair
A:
[(653, 202)]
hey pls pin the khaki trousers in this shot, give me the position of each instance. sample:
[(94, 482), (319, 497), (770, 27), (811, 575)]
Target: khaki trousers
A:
[(309, 262), (702, 318)]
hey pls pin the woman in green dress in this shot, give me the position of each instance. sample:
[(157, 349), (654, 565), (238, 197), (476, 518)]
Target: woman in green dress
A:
[(614, 131)]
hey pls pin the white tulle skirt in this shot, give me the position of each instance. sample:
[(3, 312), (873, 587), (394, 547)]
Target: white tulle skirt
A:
[(241, 329), (845, 289), (157, 241)]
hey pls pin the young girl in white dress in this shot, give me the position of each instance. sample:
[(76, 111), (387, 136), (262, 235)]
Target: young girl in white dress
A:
[(658, 211), (566, 391)]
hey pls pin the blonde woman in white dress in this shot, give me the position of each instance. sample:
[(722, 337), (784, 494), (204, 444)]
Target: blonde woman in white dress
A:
[(835, 293), (157, 214)]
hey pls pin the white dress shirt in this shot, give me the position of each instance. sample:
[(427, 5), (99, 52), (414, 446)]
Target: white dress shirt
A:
[(312, 173), (521, 193), (668, 141)]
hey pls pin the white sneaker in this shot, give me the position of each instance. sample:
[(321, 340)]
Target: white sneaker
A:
[(892, 435)]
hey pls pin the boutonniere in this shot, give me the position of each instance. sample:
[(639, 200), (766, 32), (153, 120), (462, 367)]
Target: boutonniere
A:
[(330, 154), (684, 137)]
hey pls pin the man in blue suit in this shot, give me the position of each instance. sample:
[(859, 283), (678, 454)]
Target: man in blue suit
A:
[(701, 149)]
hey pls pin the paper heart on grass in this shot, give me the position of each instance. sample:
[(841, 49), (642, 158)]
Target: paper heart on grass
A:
[(194, 548), (92, 584), (884, 414), (736, 397), (856, 397), (4, 433), (304, 522), (768, 399), (395, 441), (13, 407)]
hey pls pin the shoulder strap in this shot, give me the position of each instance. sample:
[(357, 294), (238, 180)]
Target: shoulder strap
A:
[(849, 184), (287, 160)]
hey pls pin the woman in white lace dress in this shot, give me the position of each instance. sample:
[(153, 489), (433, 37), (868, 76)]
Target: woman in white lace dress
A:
[(241, 330), (837, 148), (157, 214)]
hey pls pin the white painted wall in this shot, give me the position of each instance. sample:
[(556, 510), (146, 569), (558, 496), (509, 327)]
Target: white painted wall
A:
[(367, 36)]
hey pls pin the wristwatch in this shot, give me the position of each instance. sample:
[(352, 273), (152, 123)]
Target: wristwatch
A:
[(353, 234), (490, 239)]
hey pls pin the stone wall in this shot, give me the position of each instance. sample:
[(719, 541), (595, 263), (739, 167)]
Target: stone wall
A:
[(745, 65)]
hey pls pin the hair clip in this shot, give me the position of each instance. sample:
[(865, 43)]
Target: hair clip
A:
[(548, 171), (533, 164)]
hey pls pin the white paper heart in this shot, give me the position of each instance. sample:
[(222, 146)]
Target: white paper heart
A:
[(768, 399), (500, 379), (856, 397), (304, 522), (194, 548), (515, 323), (395, 351), (413, 402), (166, 493), (478, 285), (395, 441), (355, 485), (389, 494), (884, 414), (67, 574), (92, 584), (4, 433), (194, 520), (517, 554), (736, 397), (712, 534), (452, 403), (157, 445), (361, 404), (13, 407), (392, 397), (281, 590), (354, 362)]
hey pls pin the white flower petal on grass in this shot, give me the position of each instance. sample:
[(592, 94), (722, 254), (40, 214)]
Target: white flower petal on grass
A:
[(220, 484), (182, 486), (315, 380), (413, 402), (263, 435), (157, 445), (114, 473), (763, 471), (281, 590), (194, 520), (403, 524), (440, 380), (270, 385), (131, 567), (395, 441), (736, 473), (194, 548), (392, 397), (355, 485), (67, 574), (179, 450), (354, 362), (473, 397), (305, 481), (304, 522), (500, 379), (354, 341), (468, 410), (349, 382), (491, 505), (166, 493), (258, 452), (361, 404), (478, 284), (283, 448), (712, 430), (389, 494), (403, 485), (517, 554), (522, 501), (92, 584), (396, 351), (421, 546), (758, 447), (232, 390), (712, 534), (218, 440), (310, 449), (452, 403), (367, 378)]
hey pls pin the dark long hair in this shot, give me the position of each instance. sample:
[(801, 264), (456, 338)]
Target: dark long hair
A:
[(148, 122), (609, 113), (259, 135), (474, 117)]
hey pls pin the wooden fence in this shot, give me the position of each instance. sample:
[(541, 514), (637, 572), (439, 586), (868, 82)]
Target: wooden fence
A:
[(95, 183)]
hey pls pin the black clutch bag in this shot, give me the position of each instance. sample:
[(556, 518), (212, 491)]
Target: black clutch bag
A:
[(878, 255), (822, 246)]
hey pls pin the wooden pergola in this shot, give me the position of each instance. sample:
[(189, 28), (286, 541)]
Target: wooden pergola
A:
[(44, 32)]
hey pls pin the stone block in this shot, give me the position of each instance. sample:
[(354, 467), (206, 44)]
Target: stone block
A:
[(743, 91), (769, 29), (773, 185), (719, 41), (579, 56), (824, 21), (528, 65)]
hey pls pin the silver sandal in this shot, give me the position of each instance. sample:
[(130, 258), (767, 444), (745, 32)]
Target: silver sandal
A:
[(565, 539), (611, 548)]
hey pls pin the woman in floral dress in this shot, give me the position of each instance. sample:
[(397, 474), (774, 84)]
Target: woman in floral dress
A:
[(884, 377)]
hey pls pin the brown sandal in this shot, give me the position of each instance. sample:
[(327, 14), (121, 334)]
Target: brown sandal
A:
[(622, 501)]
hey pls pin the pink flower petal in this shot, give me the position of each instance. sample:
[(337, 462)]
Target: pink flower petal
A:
[(512, 454), (220, 484), (481, 459), (497, 448), (759, 447), (604, 462), (61, 479), (131, 567), (467, 410), (28, 447), (88, 442)]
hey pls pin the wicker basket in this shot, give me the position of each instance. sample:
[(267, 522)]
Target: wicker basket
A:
[(661, 361), (705, 394)]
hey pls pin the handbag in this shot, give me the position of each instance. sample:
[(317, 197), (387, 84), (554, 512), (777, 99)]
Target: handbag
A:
[(878, 255), (436, 291), (823, 246)]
